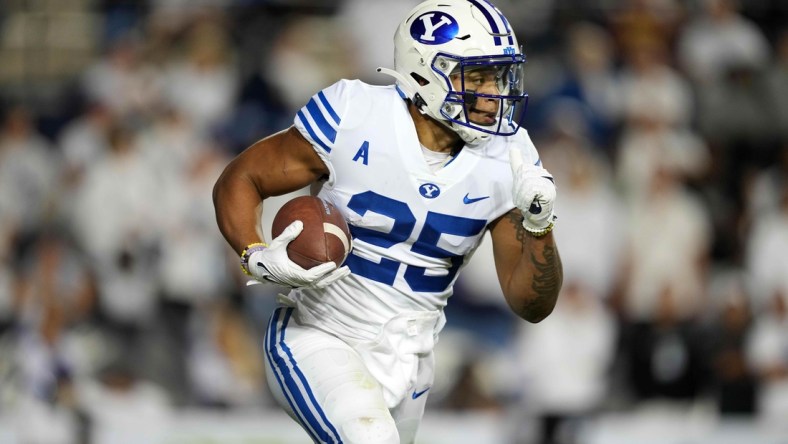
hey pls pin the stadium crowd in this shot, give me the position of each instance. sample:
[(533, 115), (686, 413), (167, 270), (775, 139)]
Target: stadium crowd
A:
[(664, 122)]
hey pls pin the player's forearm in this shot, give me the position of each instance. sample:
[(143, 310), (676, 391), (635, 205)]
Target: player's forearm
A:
[(534, 285), (237, 206)]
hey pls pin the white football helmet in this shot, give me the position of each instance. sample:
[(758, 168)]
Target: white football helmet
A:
[(441, 40)]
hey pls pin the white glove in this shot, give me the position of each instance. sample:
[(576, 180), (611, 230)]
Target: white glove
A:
[(533, 193), (272, 264)]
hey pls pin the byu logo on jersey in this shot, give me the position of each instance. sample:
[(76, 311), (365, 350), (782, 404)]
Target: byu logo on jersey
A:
[(429, 190), (434, 28)]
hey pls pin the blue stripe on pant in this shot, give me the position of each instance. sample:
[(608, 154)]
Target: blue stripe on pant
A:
[(303, 408)]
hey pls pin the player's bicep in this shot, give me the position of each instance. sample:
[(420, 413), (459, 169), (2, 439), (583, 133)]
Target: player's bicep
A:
[(281, 163)]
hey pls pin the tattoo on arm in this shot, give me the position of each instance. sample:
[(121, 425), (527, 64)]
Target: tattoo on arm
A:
[(548, 272), (515, 217), (548, 276), (546, 283)]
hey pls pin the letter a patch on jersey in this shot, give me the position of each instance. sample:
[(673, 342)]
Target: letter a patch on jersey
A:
[(362, 153)]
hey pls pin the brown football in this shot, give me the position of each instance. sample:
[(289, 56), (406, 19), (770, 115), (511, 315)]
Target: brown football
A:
[(325, 238)]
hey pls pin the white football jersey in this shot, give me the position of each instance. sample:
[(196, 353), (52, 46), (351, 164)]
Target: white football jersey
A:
[(413, 229)]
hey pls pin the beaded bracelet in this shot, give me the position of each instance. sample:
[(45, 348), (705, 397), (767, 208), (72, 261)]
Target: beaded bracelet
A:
[(251, 248), (542, 232)]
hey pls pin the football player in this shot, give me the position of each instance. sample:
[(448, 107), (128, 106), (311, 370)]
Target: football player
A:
[(420, 169)]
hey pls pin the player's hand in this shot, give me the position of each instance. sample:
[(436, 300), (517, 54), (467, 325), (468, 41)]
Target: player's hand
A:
[(533, 193), (272, 264)]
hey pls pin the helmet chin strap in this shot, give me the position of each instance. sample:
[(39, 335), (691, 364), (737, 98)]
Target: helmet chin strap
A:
[(468, 135), (406, 88)]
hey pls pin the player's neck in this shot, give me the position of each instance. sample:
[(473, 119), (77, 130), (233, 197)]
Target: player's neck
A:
[(432, 134)]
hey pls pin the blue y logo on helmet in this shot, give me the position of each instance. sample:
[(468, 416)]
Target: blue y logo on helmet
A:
[(434, 28)]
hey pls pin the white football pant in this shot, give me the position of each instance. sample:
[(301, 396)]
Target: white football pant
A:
[(324, 384)]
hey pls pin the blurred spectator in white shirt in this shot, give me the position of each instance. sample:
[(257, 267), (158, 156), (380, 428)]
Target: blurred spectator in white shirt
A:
[(190, 226), (28, 173), (651, 89), (591, 213), (643, 147), (719, 38), (766, 260), (123, 80), (564, 362), (763, 193), (51, 421), (83, 142), (202, 85), (53, 275), (225, 365), (309, 53), (118, 200), (736, 111), (171, 144), (123, 408), (667, 251)]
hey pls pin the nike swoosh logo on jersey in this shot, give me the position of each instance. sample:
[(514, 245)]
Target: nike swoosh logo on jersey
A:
[(417, 394), (469, 200)]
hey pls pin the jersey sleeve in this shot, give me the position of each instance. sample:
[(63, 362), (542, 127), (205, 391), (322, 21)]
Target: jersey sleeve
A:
[(321, 120)]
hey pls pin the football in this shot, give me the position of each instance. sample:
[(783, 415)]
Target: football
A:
[(326, 236)]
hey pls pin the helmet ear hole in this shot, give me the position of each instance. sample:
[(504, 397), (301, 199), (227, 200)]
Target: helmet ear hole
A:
[(419, 79)]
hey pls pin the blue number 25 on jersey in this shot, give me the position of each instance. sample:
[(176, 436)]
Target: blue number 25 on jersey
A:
[(435, 225)]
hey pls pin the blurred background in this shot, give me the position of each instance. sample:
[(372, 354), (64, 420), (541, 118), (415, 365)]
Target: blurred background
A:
[(124, 317)]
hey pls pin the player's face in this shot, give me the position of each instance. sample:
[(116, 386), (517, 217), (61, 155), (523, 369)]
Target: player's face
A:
[(487, 80)]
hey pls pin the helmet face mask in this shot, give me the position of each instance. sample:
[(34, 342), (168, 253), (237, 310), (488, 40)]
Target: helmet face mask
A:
[(459, 62), (496, 81)]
